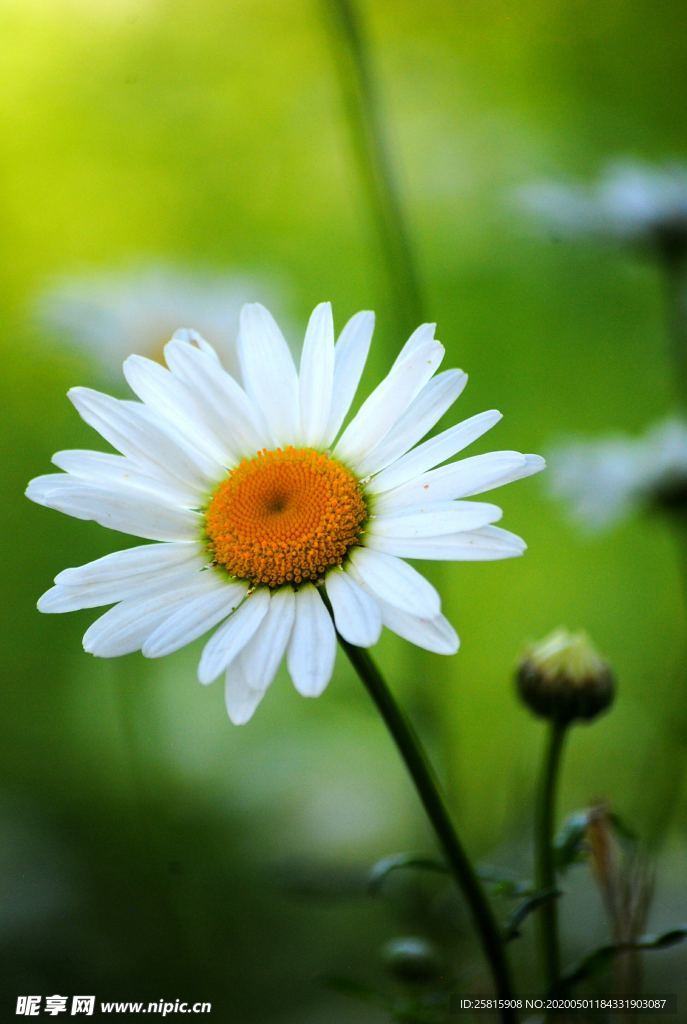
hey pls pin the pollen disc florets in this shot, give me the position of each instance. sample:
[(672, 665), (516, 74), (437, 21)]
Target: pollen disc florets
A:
[(284, 516)]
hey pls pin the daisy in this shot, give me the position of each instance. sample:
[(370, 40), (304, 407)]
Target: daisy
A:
[(114, 312), (275, 525), (604, 481), (630, 202)]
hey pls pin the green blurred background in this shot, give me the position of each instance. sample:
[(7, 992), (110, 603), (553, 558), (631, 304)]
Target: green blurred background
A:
[(149, 848)]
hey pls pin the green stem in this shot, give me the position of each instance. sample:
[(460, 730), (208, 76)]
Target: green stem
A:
[(361, 101), (544, 852), (420, 771)]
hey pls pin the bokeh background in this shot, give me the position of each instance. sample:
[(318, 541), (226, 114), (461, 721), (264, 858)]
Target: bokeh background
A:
[(150, 849)]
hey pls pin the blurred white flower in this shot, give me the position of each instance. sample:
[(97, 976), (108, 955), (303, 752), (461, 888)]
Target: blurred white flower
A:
[(115, 313), (630, 202), (605, 480)]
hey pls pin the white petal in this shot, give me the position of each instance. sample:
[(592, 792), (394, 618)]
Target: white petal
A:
[(435, 634), (234, 417), (484, 479), (484, 545), (433, 452), (350, 356), (41, 488), (269, 373), (435, 519), (230, 639), (146, 558), (131, 429), (356, 613), (62, 598), (240, 698), (260, 658), (317, 376), (103, 468), (425, 411), (195, 340), (173, 401), (312, 648), (122, 508), (197, 617), (457, 480), (388, 402), (420, 336), (395, 581), (533, 464), (125, 627)]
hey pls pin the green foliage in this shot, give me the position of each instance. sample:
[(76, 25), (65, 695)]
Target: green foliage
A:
[(597, 962), (524, 909), (570, 842), (395, 861)]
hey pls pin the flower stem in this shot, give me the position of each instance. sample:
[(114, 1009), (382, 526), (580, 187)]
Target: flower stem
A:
[(544, 854), (428, 791), (361, 101)]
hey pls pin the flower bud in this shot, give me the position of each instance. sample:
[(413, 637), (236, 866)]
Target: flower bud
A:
[(412, 960), (564, 679)]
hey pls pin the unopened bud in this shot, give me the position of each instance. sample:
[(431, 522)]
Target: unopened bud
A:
[(563, 678), (412, 960)]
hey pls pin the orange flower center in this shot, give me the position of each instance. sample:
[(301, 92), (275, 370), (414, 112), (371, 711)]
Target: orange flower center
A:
[(284, 516)]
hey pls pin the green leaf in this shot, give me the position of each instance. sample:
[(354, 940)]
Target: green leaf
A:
[(504, 885), (622, 828), (569, 846), (595, 962), (383, 868), (671, 938), (524, 909)]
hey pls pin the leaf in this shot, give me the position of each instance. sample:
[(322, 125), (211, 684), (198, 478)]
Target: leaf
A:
[(569, 846), (671, 938), (383, 868), (504, 885), (622, 828), (524, 909), (595, 962)]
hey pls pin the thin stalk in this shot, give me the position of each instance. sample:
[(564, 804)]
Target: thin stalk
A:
[(427, 788), (366, 123), (545, 867)]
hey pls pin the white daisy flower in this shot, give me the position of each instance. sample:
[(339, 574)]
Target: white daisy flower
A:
[(266, 514), (630, 202), (605, 480), (113, 313)]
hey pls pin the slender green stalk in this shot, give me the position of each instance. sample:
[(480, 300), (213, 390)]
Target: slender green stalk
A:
[(361, 101), (420, 771), (545, 820)]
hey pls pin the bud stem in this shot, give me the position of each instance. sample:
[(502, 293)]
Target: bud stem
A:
[(427, 788), (545, 820)]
